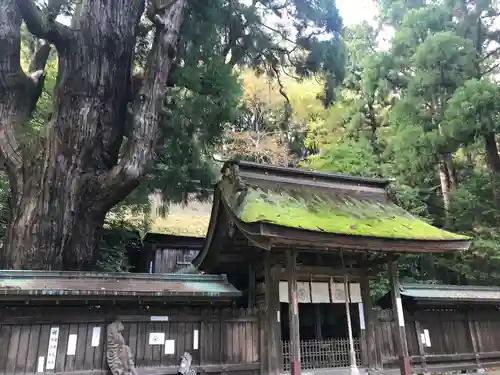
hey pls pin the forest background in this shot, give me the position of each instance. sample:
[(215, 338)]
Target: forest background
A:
[(412, 96)]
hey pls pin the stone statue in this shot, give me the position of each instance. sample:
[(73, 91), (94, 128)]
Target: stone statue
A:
[(185, 367), (118, 353)]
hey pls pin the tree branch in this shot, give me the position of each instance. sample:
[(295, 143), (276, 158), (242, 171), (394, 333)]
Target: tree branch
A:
[(19, 92), (41, 25), (148, 104)]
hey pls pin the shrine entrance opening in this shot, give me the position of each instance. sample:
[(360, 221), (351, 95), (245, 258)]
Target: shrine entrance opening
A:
[(324, 340)]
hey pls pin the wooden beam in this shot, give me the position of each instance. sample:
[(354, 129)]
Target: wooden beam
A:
[(293, 311), (398, 314), (327, 272)]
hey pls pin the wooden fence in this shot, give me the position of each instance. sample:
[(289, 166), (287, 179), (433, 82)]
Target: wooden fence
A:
[(321, 354), (219, 341), (443, 339)]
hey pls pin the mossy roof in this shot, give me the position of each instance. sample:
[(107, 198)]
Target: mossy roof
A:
[(325, 211)]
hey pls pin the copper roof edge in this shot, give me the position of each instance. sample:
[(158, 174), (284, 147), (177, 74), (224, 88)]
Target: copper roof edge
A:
[(480, 288), (172, 277)]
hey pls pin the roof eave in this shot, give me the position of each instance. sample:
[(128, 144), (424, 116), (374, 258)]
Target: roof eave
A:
[(267, 235), (280, 235), (277, 170), (198, 260), (139, 297)]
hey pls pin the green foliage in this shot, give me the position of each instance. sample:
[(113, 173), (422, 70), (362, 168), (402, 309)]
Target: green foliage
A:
[(218, 40), (425, 114), (473, 110), (120, 236)]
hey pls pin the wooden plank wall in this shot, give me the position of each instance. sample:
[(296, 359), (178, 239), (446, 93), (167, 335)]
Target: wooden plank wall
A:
[(464, 339), (166, 260), (228, 339)]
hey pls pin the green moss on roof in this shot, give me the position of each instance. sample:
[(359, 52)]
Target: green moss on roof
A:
[(321, 211)]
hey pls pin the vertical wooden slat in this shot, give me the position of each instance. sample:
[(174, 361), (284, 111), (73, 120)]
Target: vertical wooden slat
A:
[(63, 347), (473, 338), (82, 346), (204, 349), (43, 343), (133, 338), (291, 257), (421, 348), (181, 339), (5, 331), (88, 359), (23, 349), (14, 339), (32, 354), (141, 344)]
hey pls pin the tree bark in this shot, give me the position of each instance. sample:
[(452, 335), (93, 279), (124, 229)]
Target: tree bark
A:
[(66, 183), (448, 178), (491, 148)]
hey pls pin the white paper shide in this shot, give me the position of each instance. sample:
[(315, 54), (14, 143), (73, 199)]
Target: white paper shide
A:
[(427, 338), (41, 364), (169, 346), (399, 308), (196, 337), (96, 336), (72, 339)]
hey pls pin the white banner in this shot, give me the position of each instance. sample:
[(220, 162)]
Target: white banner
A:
[(303, 292), (320, 292)]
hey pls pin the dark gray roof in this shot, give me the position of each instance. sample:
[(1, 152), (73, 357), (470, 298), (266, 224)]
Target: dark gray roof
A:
[(457, 293)]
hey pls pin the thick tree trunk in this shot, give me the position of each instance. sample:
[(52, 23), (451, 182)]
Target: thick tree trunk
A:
[(447, 176), (491, 148), (45, 234), (65, 184)]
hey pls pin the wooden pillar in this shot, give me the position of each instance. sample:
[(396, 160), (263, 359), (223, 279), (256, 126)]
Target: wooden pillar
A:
[(318, 334), (273, 327), (293, 311), (397, 310), (353, 368), (370, 359), (251, 285)]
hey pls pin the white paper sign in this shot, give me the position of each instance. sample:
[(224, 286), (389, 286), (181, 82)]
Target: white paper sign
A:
[(427, 338), (422, 338), (361, 316), (72, 344), (169, 346), (159, 318), (156, 338), (195, 340), (52, 350), (41, 364), (96, 336), (399, 308)]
